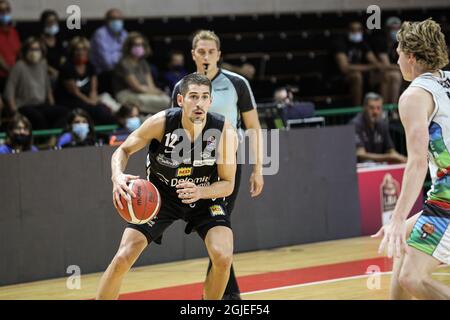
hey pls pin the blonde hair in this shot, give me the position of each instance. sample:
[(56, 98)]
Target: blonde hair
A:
[(205, 35), (425, 41), (76, 41)]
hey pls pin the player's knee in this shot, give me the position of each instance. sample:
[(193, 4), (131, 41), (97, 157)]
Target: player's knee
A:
[(221, 258), (122, 262)]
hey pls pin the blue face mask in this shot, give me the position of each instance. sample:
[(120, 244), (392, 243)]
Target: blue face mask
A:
[(116, 25), (133, 123), (54, 29), (355, 37), (81, 130), (5, 19)]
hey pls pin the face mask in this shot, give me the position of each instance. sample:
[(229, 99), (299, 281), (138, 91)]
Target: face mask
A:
[(81, 130), (54, 29), (21, 139), (393, 35), (138, 51), (34, 56), (81, 59), (116, 26), (133, 123), (355, 37), (5, 19)]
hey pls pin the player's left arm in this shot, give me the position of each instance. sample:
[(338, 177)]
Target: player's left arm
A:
[(226, 168), (415, 106)]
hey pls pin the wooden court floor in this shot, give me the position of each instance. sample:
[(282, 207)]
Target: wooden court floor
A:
[(341, 269)]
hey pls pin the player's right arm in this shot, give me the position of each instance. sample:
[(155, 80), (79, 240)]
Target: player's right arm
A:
[(415, 106), (152, 128)]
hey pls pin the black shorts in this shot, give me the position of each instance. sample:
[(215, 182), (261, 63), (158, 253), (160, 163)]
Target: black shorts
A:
[(231, 199), (205, 215)]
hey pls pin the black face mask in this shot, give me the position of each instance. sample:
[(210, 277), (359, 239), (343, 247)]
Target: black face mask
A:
[(21, 139)]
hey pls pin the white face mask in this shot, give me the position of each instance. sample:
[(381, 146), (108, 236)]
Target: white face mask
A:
[(34, 56), (355, 37)]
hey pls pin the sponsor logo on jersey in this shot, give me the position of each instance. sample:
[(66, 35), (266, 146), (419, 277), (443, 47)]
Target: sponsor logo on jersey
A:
[(184, 172), (428, 230), (200, 181), (222, 89), (216, 210), (162, 178), (204, 162), (162, 160)]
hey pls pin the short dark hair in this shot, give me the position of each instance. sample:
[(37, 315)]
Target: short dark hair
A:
[(194, 78), (17, 118), (45, 15), (28, 43), (78, 112)]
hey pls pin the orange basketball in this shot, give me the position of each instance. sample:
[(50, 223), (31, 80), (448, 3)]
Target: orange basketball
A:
[(145, 206)]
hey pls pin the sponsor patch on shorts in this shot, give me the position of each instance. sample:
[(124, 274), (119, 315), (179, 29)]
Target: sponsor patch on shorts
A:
[(216, 210)]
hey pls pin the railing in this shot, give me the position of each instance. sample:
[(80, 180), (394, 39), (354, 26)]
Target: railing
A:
[(54, 132)]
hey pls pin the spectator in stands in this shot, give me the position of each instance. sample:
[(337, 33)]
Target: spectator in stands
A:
[(79, 131), (176, 69), (129, 120), (106, 46), (385, 45), (290, 107), (78, 83), (133, 81), (55, 53), (373, 140), (19, 137), (9, 42), (358, 63), (107, 42), (28, 88)]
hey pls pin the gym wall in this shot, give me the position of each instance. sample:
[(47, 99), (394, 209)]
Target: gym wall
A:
[(31, 10), (56, 208)]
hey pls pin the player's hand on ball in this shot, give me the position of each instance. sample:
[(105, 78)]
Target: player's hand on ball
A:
[(394, 237), (120, 188), (188, 192)]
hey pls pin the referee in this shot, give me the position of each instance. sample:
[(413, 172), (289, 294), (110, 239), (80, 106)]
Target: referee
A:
[(232, 97)]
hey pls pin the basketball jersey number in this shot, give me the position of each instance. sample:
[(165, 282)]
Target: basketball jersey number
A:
[(171, 138)]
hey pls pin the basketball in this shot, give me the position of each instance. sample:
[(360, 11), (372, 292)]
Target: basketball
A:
[(145, 206)]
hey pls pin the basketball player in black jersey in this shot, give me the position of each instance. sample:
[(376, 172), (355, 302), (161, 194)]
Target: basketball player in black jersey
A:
[(192, 183)]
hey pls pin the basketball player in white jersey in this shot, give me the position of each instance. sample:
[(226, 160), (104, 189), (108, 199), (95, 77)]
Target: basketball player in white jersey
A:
[(425, 114)]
